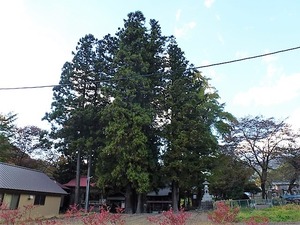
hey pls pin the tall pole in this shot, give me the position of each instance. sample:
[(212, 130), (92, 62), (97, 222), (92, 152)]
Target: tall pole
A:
[(77, 187), (87, 190)]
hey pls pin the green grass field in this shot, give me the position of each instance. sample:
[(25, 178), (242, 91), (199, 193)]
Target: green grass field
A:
[(286, 213)]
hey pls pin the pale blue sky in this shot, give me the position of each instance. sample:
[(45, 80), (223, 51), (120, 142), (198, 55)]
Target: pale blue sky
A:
[(37, 37)]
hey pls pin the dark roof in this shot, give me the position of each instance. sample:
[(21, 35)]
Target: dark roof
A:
[(24, 179), (62, 186), (83, 182)]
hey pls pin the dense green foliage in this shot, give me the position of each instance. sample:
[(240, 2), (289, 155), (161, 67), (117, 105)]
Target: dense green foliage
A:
[(143, 112), (191, 112), (131, 140), (229, 178)]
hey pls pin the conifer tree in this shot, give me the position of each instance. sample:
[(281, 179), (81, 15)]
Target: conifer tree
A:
[(191, 111), (135, 103), (77, 103), (131, 140)]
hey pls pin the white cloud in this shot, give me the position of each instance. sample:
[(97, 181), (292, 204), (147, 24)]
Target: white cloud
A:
[(178, 14), (285, 89), (210, 72), (182, 31), (221, 39), (192, 25), (269, 58), (272, 71), (208, 3), (241, 54), (294, 119)]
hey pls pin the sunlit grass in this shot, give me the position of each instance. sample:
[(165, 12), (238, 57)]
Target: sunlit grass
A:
[(286, 213)]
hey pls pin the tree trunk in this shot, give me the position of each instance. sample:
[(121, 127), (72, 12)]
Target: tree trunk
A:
[(188, 205), (291, 186), (263, 182), (292, 183), (128, 199), (139, 204), (175, 196), (263, 190)]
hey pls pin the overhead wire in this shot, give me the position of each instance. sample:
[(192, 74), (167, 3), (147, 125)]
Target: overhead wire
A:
[(197, 67), (248, 58)]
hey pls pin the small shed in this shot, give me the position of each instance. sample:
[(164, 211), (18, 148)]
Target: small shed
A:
[(21, 187)]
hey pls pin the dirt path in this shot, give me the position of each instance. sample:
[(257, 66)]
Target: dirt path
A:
[(195, 218)]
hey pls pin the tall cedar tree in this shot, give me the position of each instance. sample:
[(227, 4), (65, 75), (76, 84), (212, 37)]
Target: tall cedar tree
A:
[(191, 111), (129, 158), (77, 102), (259, 142)]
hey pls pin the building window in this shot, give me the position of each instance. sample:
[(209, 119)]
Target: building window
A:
[(39, 200), (1, 198), (14, 203)]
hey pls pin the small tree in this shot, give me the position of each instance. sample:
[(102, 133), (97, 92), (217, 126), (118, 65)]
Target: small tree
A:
[(229, 178)]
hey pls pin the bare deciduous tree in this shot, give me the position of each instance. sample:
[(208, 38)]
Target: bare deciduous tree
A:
[(260, 142)]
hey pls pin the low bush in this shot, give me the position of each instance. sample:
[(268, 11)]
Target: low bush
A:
[(224, 214), (23, 217), (170, 218), (8, 216)]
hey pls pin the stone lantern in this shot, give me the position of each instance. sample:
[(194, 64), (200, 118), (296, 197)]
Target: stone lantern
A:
[(206, 202)]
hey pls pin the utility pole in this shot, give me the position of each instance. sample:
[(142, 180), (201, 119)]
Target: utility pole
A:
[(77, 187), (88, 178)]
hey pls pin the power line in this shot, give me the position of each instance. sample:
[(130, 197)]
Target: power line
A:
[(197, 67), (248, 58), (30, 87)]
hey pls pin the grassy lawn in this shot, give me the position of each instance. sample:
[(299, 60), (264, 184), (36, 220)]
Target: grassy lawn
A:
[(286, 213)]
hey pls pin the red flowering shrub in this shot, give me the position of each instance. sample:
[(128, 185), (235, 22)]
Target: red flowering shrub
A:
[(223, 214), (73, 211), (104, 217), (9, 216), (170, 218), (117, 218)]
